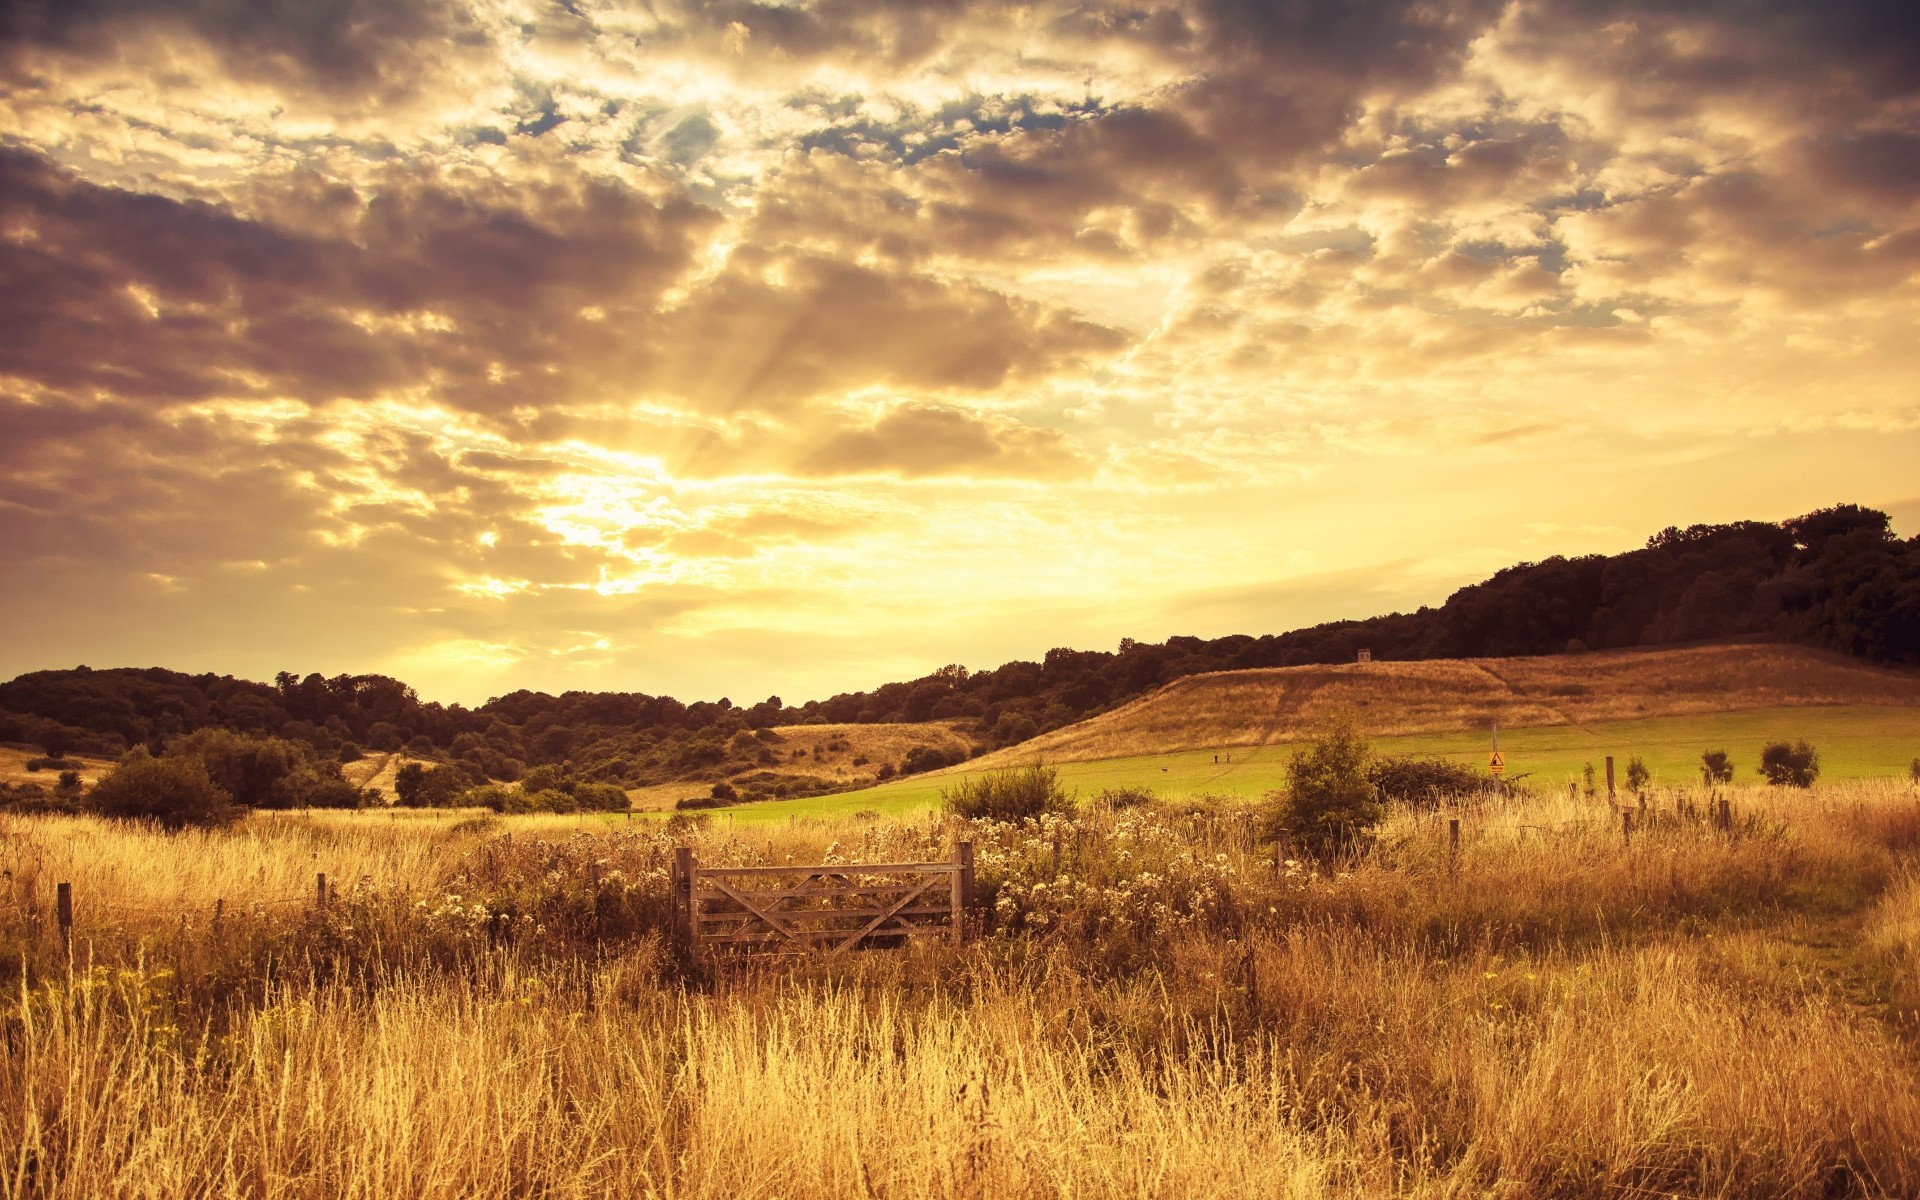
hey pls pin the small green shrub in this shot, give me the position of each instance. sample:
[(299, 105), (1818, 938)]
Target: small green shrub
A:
[(1638, 777), (1012, 794), (1330, 804), (1796, 765), (1715, 767)]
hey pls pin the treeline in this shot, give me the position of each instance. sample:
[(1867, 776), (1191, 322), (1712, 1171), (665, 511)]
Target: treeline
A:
[(1837, 578)]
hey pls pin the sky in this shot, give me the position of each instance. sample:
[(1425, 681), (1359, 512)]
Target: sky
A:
[(790, 348)]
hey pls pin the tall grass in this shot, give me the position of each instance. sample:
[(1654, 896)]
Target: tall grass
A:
[(1155, 1008)]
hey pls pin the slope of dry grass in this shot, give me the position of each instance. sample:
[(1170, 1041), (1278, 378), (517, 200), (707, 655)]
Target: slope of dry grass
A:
[(1247, 708)]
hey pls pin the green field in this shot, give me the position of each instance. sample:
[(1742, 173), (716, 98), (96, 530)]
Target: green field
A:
[(1854, 743)]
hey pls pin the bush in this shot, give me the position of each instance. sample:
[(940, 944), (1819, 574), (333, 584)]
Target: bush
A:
[(175, 791), (1797, 765), (1638, 777), (1330, 804), (69, 781), (693, 802), (1715, 767), (1424, 782), (53, 763), (1913, 771), (930, 758), (723, 792), (1013, 794), (600, 797), (350, 753), (1122, 798)]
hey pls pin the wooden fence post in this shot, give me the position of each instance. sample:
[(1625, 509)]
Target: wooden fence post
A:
[(1726, 814), (685, 869), (962, 888), (1610, 792), (320, 892), (1453, 844), (1626, 827), (63, 909)]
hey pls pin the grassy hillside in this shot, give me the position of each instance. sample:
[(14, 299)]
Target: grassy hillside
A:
[(1855, 742), (1285, 704)]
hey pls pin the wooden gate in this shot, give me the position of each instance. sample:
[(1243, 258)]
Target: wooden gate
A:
[(833, 908)]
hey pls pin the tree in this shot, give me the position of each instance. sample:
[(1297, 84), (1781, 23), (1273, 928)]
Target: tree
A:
[(176, 792), (1330, 803), (1796, 765), (1638, 777), (1715, 767), (56, 742), (416, 785)]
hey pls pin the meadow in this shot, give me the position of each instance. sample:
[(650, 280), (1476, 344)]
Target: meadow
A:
[(1153, 1004), (1856, 742)]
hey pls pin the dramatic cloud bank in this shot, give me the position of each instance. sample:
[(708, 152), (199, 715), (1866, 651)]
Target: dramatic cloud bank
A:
[(796, 346)]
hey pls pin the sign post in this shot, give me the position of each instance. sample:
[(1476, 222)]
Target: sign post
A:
[(1496, 761)]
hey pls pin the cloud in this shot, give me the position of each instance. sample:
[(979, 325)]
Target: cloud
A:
[(455, 326), (918, 440)]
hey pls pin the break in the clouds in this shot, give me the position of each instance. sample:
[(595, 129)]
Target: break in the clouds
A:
[(752, 347)]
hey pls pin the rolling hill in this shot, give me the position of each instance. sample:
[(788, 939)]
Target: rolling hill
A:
[(1287, 704)]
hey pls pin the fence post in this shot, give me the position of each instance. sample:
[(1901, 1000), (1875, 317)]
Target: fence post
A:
[(962, 888), (63, 909), (1453, 845), (1610, 791), (684, 870), (320, 891), (1726, 814), (1626, 827)]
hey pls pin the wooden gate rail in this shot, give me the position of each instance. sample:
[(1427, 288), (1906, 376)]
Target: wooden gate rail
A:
[(834, 907)]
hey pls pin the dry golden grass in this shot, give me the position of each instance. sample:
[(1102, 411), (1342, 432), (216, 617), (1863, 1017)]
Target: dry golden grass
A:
[(1157, 1011), (13, 767), (1246, 708)]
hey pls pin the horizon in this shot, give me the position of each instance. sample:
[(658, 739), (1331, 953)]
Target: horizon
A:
[(755, 351)]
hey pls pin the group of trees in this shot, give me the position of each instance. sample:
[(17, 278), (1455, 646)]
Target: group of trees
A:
[(214, 775), (1837, 577)]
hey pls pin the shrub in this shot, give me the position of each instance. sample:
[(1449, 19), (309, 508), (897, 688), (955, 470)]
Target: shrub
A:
[(1423, 782), (600, 797), (1013, 794), (885, 772), (69, 781), (692, 802), (723, 792), (1797, 765), (418, 786), (1121, 798), (350, 753), (1913, 771), (930, 758), (1715, 767), (1329, 804), (175, 791), (52, 763), (1638, 777)]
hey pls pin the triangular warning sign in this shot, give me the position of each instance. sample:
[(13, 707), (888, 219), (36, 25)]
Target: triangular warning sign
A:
[(1497, 763)]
